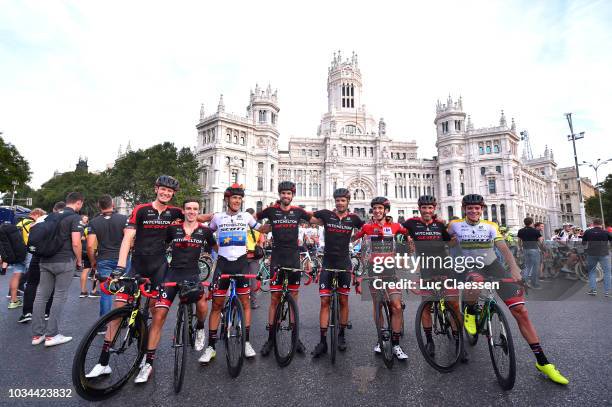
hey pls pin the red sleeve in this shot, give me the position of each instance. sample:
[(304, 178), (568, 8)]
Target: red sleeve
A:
[(401, 230), (133, 219), (306, 215), (361, 233), (262, 215)]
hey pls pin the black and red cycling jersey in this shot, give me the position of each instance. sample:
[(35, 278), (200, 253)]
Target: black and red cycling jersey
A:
[(151, 228), (186, 249), (284, 225), (429, 238), (382, 240), (338, 231)]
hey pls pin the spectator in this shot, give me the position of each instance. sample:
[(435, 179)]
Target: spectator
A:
[(598, 252), (56, 274), (105, 233), (540, 226), (85, 273), (253, 238), (531, 241)]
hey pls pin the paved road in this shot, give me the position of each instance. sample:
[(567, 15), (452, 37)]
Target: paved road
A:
[(576, 335)]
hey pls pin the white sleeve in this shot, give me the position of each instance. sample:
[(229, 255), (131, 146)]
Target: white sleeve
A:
[(212, 225), (251, 221)]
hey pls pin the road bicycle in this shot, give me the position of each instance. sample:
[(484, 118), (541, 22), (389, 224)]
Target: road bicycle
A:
[(286, 321), (334, 312)]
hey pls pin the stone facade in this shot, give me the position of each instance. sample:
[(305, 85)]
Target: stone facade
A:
[(568, 195), (352, 149)]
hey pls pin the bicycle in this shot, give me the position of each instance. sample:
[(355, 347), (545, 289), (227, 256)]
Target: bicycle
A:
[(263, 274), (447, 340), (312, 260), (334, 310), (184, 332), (492, 322), (286, 320), (126, 345), (233, 326)]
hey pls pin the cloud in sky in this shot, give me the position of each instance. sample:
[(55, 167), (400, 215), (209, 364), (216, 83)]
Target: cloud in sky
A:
[(79, 79)]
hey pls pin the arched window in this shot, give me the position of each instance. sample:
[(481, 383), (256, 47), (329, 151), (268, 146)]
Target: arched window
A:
[(485, 213), (494, 213), (359, 194), (502, 214), (450, 212), (259, 206)]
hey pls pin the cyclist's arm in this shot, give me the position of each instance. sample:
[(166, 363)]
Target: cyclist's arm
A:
[(509, 259), (316, 221), (204, 217), (91, 244), (126, 243), (77, 247)]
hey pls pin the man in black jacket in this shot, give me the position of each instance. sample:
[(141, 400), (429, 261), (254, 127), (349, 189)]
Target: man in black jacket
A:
[(597, 241)]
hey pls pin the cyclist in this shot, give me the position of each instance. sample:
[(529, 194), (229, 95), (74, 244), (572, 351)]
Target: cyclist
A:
[(429, 236), (478, 238), (186, 242), (284, 220), (233, 227), (386, 232), (338, 225)]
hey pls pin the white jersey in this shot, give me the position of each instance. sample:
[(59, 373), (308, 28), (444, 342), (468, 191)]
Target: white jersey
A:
[(232, 233)]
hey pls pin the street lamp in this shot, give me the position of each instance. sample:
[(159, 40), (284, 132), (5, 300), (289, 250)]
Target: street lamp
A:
[(596, 166), (573, 137)]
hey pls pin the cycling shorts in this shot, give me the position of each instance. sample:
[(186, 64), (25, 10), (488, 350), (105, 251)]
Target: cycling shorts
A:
[(344, 279), (153, 267), (511, 293), (289, 259), (225, 266), (168, 294)]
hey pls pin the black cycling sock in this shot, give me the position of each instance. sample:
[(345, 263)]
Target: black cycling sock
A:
[(105, 355), (212, 337), (395, 336), (342, 328), (150, 356), (200, 324), (323, 335), (270, 333), (428, 334), (539, 353), (248, 332), (471, 309)]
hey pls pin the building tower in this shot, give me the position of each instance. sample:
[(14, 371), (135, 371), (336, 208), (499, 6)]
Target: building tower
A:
[(450, 142)]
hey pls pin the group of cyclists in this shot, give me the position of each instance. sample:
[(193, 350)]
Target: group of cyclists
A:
[(152, 227)]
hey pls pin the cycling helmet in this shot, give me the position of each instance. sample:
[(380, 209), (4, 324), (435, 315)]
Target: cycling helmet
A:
[(427, 200), (167, 181), (286, 186), (473, 199), (381, 200), (342, 193), (234, 189)]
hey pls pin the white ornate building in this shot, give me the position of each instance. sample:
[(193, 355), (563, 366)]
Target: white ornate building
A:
[(352, 149)]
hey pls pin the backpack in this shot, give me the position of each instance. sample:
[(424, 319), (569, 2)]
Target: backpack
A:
[(45, 239), (24, 226), (13, 249)]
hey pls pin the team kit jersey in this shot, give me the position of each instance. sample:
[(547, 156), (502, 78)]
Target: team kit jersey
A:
[(186, 251), (232, 240), (476, 240), (430, 243), (337, 231), (151, 228), (285, 233)]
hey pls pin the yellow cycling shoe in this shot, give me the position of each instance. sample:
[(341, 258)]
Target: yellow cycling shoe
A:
[(469, 322), (553, 374)]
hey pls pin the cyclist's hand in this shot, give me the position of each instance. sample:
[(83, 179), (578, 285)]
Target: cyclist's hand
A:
[(516, 273), (117, 272)]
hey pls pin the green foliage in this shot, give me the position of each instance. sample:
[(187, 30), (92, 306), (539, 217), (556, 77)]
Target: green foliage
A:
[(56, 189), (13, 167), (133, 176), (592, 204)]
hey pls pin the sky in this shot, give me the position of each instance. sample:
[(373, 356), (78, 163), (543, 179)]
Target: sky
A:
[(82, 78)]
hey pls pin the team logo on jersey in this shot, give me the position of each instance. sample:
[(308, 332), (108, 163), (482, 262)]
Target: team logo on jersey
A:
[(387, 230)]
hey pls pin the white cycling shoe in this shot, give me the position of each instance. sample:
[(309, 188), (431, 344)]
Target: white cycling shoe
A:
[(98, 371), (200, 339), (399, 353), (249, 352), (208, 355), (143, 375), (377, 348)]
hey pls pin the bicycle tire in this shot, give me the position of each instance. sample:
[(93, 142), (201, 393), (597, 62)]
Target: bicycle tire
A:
[(281, 315), (506, 382), (193, 318), (179, 344), (234, 337), (333, 326), (384, 331), (440, 321), (86, 387)]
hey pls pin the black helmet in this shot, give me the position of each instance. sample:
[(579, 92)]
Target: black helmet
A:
[(168, 182), (381, 200), (234, 189), (286, 186), (342, 193), (427, 200), (473, 199)]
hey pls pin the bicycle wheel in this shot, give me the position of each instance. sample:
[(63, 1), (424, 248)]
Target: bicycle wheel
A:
[(126, 349), (446, 336), (205, 266), (383, 329), (333, 326), (286, 330), (234, 337), (264, 273), (179, 343), (501, 348), (192, 316)]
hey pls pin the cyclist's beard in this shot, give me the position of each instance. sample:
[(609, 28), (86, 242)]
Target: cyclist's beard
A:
[(286, 201)]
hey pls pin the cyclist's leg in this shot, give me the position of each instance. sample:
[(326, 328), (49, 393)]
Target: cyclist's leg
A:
[(160, 312), (325, 294)]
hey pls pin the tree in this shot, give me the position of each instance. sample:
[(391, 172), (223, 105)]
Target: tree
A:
[(13, 167), (133, 175), (92, 186), (592, 204)]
